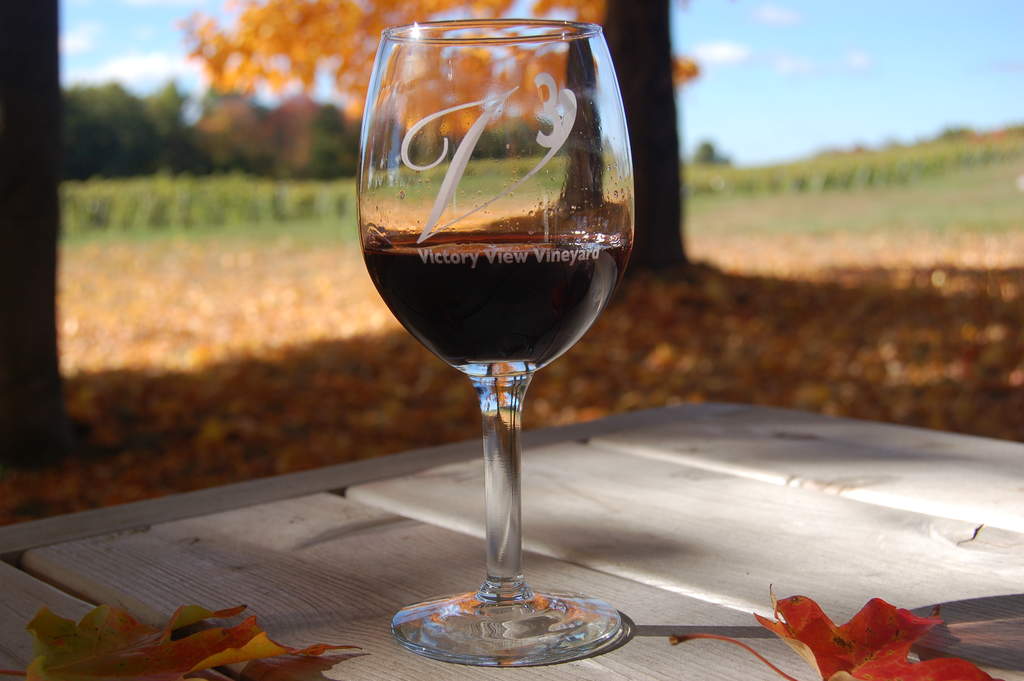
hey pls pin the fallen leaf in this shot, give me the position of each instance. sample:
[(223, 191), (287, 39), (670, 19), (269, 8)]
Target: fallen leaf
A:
[(110, 644), (872, 646)]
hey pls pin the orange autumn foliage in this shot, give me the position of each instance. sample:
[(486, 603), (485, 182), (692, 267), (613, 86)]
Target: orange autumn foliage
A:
[(283, 43), (109, 644)]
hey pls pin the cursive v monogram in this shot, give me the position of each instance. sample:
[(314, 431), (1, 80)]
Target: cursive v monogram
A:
[(561, 126)]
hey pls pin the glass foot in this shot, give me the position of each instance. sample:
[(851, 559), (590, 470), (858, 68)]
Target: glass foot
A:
[(544, 629)]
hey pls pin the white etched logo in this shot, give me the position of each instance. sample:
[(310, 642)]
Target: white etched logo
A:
[(558, 109)]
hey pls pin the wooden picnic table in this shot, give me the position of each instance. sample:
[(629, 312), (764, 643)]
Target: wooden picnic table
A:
[(680, 517)]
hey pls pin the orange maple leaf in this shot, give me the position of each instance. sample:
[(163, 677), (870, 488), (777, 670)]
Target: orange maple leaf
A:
[(872, 646), (110, 644)]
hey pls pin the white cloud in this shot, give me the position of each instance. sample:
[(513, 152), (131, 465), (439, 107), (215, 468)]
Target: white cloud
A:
[(792, 66), (140, 71), (143, 32), (80, 39), (858, 60), (773, 15), (721, 52)]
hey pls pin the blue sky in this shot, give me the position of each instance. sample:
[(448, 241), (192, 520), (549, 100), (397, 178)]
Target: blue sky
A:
[(780, 79)]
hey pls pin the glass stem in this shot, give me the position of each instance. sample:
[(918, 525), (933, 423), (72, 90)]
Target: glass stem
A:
[(501, 405)]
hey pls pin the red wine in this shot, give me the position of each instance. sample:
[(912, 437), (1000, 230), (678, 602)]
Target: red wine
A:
[(477, 303)]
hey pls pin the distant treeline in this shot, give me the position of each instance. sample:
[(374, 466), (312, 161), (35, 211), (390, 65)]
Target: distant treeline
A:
[(109, 132)]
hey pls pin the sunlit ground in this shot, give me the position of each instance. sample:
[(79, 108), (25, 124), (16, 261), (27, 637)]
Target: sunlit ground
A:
[(182, 304), (200, 361)]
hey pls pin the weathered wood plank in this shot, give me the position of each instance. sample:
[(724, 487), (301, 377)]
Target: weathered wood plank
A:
[(21, 596), (15, 539), (325, 569), (258, 545), (724, 538), (974, 479), (717, 536)]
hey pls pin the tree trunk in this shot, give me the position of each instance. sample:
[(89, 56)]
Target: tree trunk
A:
[(637, 32), (584, 187), (33, 425)]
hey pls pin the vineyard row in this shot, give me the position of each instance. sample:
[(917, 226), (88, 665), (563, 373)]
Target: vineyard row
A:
[(160, 202)]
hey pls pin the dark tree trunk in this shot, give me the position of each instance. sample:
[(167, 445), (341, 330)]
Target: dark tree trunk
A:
[(638, 38), (584, 188), (33, 425)]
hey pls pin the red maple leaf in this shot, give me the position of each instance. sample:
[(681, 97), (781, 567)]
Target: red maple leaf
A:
[(872, 646)]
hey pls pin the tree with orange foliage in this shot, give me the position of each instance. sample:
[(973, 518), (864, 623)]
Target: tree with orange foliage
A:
[(277, 43)]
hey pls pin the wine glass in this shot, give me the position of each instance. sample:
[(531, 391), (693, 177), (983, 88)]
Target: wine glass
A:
[(496, 218)]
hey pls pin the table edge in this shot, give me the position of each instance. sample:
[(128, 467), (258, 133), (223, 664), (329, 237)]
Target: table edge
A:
[(20, 537)]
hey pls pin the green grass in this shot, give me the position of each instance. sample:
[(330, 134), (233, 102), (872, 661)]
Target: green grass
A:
[(982, 199), (844, 171), (980, 196), (309, 232), (161, 206)]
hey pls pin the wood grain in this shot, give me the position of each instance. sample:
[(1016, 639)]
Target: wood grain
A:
[(978, 480), (719, 537), (724, 538), (21, 597), (326, 569)]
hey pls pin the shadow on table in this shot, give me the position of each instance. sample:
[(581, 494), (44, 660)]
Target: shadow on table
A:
[(987, 631), (295, 667), (632, 630), (682, 630)]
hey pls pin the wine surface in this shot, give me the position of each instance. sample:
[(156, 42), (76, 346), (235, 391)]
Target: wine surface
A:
[(479, 303)]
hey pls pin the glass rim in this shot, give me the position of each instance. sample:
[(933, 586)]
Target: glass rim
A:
[(548, 31)]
